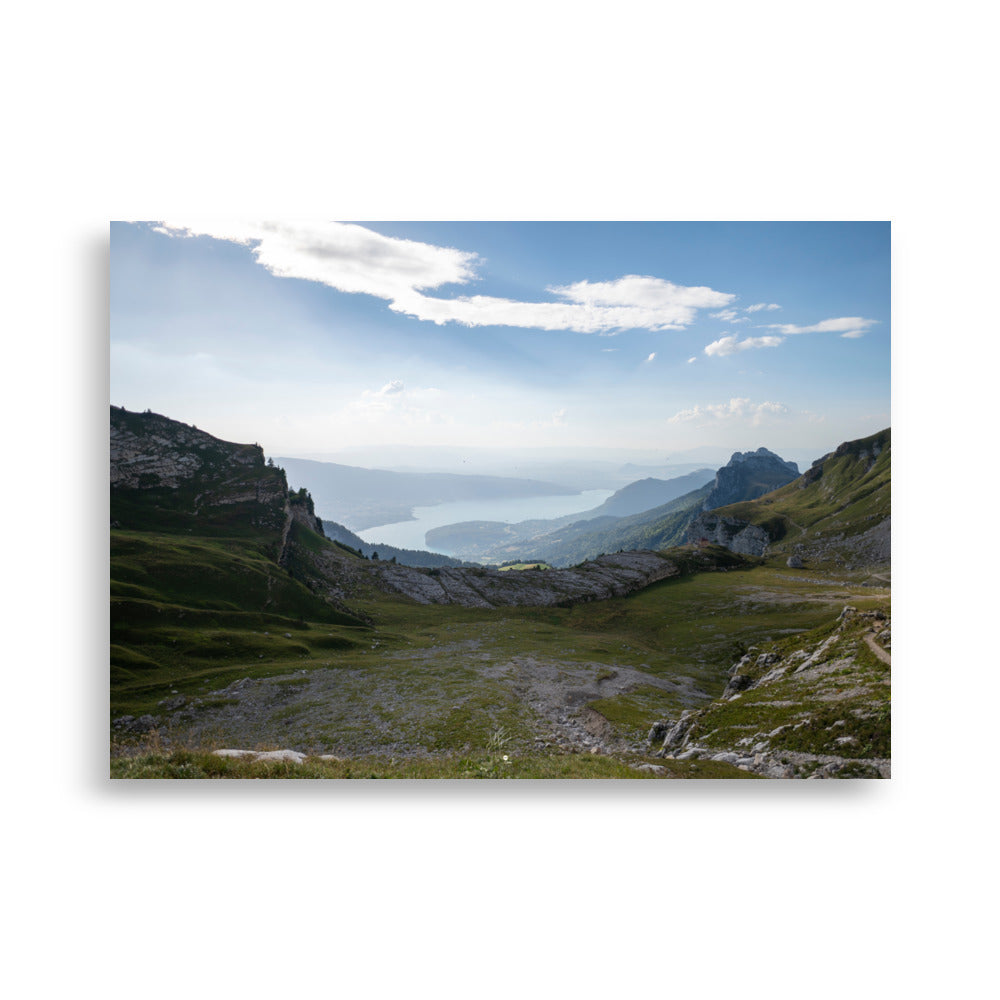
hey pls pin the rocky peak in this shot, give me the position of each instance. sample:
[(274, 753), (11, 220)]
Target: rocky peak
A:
[(748, 475)]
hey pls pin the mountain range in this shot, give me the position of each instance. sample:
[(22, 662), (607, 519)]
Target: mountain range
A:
[(572, 539), (362, 498)]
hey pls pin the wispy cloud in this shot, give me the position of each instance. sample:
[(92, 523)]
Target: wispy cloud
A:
[(847, 326), (737, 410), (652, 357), (757, 306), (691, 360), (725, 346), (354, 259), (393, 402)]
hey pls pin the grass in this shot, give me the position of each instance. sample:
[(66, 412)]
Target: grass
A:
[(197, 764), (414, 679)]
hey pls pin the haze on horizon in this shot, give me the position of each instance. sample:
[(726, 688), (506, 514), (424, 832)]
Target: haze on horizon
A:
[(463, 345)]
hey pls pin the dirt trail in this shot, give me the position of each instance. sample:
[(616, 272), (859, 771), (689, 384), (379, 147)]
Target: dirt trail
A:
[(878, 650)]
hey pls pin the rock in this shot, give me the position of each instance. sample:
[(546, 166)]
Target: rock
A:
[(659, 731), (130, 724), (651, 768), (290, 755), (737, 536), (678, 732), (795, 562), (748, 475), (737, 683)]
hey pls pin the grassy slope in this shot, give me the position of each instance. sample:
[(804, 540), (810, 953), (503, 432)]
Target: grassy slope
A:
[(839, 706)]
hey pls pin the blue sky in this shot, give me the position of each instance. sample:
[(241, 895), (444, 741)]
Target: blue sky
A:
[(311, 338)]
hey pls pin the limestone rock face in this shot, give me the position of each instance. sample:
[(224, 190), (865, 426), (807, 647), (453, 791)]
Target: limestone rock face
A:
[(602, 578), (162, 468), (748, 475), (737, 536), (148, 450)]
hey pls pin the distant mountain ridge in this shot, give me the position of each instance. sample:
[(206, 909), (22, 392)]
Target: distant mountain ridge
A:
[(361, 498), (407, 557), (496, 541), (576, 538), (645, 494)]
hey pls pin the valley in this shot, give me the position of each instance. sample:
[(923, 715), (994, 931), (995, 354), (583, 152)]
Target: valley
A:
[(688, 661)]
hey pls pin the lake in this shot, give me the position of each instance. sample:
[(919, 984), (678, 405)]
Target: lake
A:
[(410, 534)]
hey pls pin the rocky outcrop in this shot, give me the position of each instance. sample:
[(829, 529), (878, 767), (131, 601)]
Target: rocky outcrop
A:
[(748, 475), (148, 451), (602, 578), (167, 474), (815, 710), (857, 550), (737, 536)]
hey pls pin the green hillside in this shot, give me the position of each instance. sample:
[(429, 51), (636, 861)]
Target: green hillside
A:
[(836, 513)]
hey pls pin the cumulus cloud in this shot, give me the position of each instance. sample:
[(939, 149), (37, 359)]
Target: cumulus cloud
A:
[(757, 306), (847, 326), (652, 357), (737, 410), (354, 259), (391, 388), (725, 346)]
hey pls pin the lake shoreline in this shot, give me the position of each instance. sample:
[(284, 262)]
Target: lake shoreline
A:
[(411, 532)]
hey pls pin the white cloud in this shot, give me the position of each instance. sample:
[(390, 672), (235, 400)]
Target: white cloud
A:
[(848, 326), (352, 258), (344, 256), (757, 306), (737, 410), (730, 345), (390, 388), (727, 315), (691, 360), (652, 357)]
